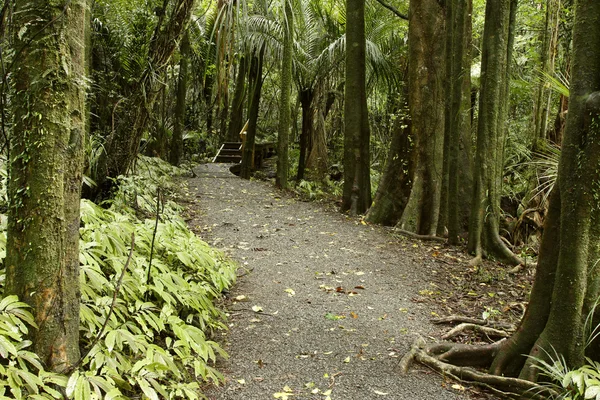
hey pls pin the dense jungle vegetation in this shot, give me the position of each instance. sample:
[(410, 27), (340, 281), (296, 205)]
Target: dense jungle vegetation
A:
[(468, 120)]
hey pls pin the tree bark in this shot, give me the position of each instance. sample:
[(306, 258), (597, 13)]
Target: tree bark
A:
[(46, 163), (426, 103), (357, 165), (283, 137)]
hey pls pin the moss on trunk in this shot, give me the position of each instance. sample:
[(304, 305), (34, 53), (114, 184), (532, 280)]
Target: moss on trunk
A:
[(46, 163)]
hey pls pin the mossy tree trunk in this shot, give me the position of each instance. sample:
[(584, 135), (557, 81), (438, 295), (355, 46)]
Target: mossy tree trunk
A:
[(176, 151), (122, 145), (256, 82), (426, 105), (484, 238), (48, 104), (357, 166), (283, 137)]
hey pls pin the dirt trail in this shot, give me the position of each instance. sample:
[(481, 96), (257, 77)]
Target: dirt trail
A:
[(335, 297)]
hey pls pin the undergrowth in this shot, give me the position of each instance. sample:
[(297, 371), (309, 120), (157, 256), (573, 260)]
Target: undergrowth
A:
[(157, 339)]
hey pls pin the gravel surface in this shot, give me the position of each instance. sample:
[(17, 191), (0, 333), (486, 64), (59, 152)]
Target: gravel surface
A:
[(336, 298)]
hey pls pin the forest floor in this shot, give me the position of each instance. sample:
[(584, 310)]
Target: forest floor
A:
[(326, 305)]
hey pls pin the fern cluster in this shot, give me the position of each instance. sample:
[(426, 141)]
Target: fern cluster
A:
[(155, 341)]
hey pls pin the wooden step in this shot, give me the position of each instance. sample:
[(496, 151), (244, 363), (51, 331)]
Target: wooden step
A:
[(228, 159)]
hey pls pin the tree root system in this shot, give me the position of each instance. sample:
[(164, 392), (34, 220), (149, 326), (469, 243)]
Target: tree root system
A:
[(443, 358)]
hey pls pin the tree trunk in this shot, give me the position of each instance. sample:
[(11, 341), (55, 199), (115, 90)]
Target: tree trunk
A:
[(42, 251), (396, 182), (256, 82), (426, 71), (484, 225), (316, 160), (567, 281), (426, 103), (547, 57), (177, 140), (283, 137), (357, 165), (457, 119), (306, 100), (122, 145), (236, 122)]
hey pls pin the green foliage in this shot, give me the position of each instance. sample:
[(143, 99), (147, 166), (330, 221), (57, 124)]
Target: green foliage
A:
[(571, 384), (155, 341), (319, 190)]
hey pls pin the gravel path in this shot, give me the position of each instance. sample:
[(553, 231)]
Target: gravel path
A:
[(335, 297)]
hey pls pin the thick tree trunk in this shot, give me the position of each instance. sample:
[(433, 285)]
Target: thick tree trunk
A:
[(42, 252), (236, 122), (256, 82), (177, 140), (357, 165), (122, 145), (426, 103), (484, 225)]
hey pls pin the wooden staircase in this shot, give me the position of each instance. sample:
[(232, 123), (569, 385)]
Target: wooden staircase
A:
[(229, 153)]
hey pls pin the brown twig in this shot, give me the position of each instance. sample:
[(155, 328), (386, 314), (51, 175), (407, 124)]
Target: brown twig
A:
[(152, 245), (110, 311)]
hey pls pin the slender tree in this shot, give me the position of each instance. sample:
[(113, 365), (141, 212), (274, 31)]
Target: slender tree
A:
[(357, 166), (256, 82), (177, 140), (236, 121), (491, 132), (457, 119), (46, 162), (284, 102)]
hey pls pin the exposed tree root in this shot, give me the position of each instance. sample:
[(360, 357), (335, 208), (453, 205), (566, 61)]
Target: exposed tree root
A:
[(458, 319), (512, 387), (488, 332), (419, 237)]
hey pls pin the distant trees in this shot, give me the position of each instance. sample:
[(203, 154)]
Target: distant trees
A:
[(123, 142), (46, 163)]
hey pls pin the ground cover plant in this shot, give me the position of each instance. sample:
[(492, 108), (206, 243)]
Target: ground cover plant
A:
[(142, 331)]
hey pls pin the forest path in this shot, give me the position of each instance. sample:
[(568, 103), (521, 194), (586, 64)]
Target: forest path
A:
[(335, 296)]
